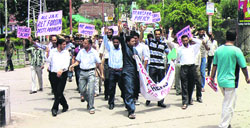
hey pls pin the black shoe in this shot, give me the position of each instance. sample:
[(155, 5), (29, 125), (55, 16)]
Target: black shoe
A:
[(41, 89), (70, 79), (54, 112), (111, 106), (65, 108), (162, 105), (178, 93), (147, 102), (106, 98), (11, 69), (6, 69), (32, 92), (229, 126), (82, 99), (199, 100)]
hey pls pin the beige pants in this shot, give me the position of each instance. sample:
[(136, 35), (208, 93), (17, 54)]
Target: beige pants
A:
[(228, 106)]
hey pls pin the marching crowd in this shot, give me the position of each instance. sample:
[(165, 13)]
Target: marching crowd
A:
[(110, 59)]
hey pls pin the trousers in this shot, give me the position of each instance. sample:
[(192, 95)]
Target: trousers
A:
[(36, 71), (87, 86), (59, 84), (187, 83)]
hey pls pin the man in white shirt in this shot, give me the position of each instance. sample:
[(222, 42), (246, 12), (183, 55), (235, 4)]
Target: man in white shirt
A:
[(88, 59), (187, 56), (143, 52), (213, 46), (59, 60)]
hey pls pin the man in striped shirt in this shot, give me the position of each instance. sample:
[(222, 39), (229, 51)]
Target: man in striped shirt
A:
[(156, 67)]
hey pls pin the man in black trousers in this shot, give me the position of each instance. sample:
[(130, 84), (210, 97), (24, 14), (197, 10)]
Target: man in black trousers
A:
[(59, 60)]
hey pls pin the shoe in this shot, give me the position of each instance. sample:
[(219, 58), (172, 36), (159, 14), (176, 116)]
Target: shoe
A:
[(147, 103), (6, 69), (41, 89), (70, 79), (131, 116), (162, 105), (106, 98), (92, 111), (191, 102), (65, 108), (32, 92), (178, 93), (96, 95), (54, 112), (229, 126), (203, 90), (137, 102), (11, 69), (82, 99), (184, 107), (199, 100), (111, 106)]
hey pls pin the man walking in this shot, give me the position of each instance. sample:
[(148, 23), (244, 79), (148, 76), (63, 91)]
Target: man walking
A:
[(9, 48), (156, 67), (37, 65), (59, 60), (115, 67), (228, 59), (187, 56), (88, 59)]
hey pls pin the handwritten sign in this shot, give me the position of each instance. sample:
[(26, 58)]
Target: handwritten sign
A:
[(142, 16), (156, 17), (115, 28), (86, 29), (184, 31), (49, 23), (151, 90), (23, 32)]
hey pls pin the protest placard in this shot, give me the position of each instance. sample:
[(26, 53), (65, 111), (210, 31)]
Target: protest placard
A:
[(184, 31), (115, 28), (86, 29), (156, 17), (142, 16), (23, 32), (49, 23)]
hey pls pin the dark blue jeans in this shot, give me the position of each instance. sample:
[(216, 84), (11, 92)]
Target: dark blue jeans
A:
[(115, 76)]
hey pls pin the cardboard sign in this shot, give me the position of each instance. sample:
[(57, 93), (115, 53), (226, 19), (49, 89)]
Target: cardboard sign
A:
[(156, 17), (49, 23), (115, 28), (23, 32), (142, 16), (86, 29), (184, 31)]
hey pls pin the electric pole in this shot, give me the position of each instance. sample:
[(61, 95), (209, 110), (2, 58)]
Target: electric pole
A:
[(6, 19)]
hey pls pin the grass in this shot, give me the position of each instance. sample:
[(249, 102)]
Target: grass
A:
[(15, 67)]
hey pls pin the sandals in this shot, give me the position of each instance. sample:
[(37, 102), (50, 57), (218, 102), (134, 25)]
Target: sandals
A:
[(184, 107), (82, 99)]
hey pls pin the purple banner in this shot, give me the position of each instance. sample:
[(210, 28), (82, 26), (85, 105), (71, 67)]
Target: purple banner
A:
[(49, 23), (23, 32), (142, 16), (156, 17), (86, 29), (184, 31)]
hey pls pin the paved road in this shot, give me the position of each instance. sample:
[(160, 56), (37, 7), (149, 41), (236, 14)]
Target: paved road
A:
[(29, 111)]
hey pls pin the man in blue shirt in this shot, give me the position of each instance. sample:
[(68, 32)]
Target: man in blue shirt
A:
[(115, 63)]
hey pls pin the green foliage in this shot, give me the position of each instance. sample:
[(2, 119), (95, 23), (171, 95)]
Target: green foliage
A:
[(98, 24), (229, 9)]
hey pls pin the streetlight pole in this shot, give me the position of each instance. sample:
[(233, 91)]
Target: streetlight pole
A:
[(70, 16), (210, 22), (6, 19)]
